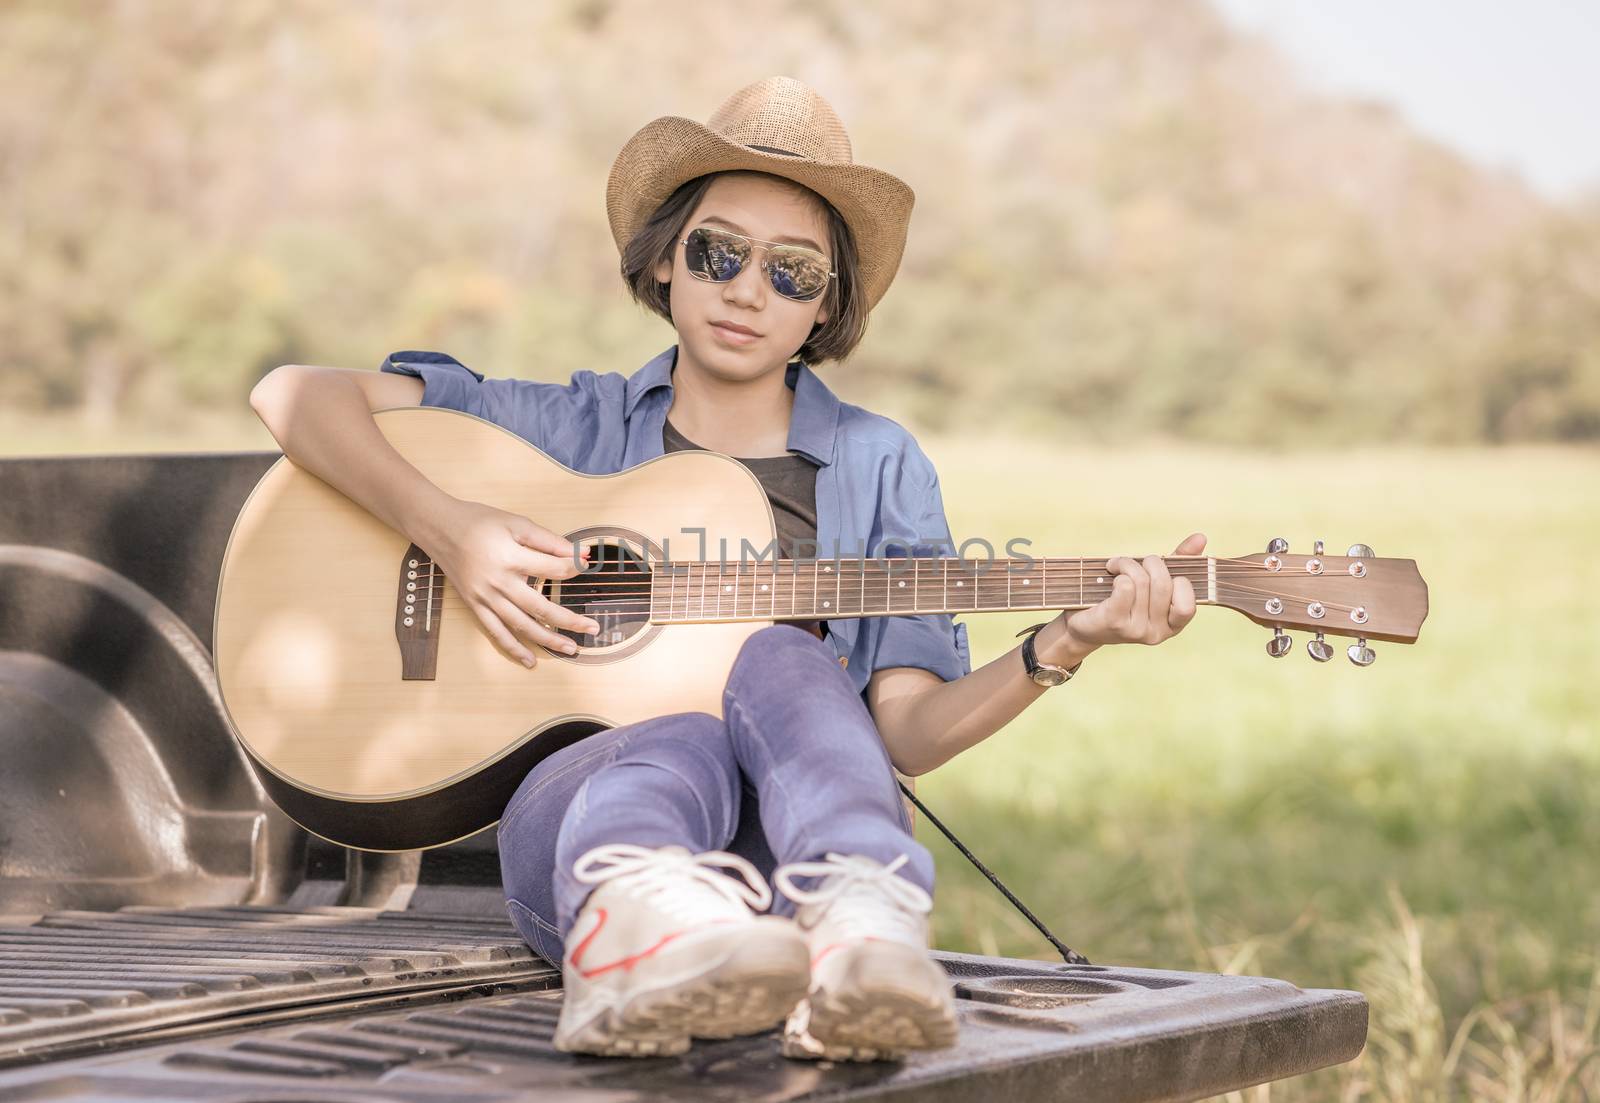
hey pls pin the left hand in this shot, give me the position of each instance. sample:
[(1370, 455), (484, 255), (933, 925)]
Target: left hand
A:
[(1147, 605)]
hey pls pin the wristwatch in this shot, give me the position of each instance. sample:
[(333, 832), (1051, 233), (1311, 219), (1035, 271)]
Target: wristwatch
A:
[(1044, 674)]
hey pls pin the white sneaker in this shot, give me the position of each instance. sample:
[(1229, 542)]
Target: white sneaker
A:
[(875, 992), (667, 948)]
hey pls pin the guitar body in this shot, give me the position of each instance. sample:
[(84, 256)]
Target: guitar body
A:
[(380, 752)]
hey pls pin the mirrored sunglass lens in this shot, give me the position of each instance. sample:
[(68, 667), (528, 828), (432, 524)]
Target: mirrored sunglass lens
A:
[(714, 256), (798, 275)]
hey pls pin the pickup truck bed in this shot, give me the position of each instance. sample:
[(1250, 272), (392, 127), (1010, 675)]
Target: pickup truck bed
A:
[(167, 934)]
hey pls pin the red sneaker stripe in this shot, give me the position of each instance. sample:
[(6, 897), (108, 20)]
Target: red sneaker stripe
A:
[(625, 962), (831, 947)]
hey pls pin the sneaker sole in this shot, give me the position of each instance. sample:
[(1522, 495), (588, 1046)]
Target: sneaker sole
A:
[(888, 998), (749, 985)]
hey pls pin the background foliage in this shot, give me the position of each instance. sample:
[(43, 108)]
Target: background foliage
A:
[(1130, 220)]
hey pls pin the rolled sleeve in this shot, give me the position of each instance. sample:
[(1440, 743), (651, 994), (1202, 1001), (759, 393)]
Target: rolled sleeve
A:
[(914, 520), (446, 381), (562, 420)]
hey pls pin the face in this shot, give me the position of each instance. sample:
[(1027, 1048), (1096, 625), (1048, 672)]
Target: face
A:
[(762, 207)]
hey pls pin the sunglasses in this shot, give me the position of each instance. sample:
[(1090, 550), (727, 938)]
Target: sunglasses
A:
[(718, 256)]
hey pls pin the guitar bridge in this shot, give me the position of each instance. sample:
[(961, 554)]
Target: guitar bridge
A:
[(418, 604)]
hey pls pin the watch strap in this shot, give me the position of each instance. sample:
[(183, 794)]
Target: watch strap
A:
[(1030, 658)]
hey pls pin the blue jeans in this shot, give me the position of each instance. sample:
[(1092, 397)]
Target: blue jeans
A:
[(795, 769)]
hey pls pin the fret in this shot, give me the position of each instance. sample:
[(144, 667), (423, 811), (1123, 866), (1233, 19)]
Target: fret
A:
[(852, 582), (899, 586), (1029, 582), (760, 587), (963, 595)]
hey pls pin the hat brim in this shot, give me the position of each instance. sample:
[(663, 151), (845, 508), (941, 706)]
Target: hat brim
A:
[(667, 152)]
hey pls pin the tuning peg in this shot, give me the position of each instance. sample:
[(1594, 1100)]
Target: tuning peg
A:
[(1360, 653), (1316, 547), (1278, 646), (1360, 551), (1277, 546), (1319, 648)]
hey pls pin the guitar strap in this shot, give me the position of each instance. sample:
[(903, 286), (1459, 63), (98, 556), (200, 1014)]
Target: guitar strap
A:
[(1068, 954)]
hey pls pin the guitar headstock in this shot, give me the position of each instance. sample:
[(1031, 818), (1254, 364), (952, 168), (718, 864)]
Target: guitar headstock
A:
[(1355, 594)]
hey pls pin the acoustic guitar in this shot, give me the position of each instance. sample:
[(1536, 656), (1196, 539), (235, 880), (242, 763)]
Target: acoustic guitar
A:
[(378, 713)]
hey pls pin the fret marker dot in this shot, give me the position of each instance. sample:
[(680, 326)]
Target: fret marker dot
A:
[(902, 584), (1025, 581), (1102, 578), (825, 604), (763, 586), (727, 589), (960, 583)]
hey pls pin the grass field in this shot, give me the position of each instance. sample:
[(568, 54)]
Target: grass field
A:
[(1425, 830)]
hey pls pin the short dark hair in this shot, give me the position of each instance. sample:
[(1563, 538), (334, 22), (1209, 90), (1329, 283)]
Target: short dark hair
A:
[(845, 298)]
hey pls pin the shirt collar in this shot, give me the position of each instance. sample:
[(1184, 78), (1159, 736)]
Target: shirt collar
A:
[(813, 423)]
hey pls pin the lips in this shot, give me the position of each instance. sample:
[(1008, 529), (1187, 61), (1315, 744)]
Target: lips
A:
[(736, 328)]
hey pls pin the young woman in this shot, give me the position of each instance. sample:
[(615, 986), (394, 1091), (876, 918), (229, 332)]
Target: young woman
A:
[(643, 858)]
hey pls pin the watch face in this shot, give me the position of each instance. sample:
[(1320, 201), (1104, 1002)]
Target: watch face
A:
[(1048, 677)]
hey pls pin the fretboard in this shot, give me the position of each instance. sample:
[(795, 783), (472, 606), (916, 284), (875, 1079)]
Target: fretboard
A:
[(785, 589)]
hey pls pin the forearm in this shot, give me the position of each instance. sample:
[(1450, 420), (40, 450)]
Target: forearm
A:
[(322, 421), (932, 726)]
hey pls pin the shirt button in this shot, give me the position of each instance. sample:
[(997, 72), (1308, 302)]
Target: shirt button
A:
[(844, 660)]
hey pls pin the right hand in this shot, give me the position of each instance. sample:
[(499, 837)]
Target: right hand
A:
[(488, 555)]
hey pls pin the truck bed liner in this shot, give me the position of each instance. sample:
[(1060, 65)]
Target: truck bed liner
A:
[(337, 1003)]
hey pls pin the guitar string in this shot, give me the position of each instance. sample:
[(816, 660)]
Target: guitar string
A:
[(648, 592), (638, 589), (1049, 575), (1242, 594)]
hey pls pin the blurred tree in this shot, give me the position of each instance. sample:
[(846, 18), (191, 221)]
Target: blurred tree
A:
[(1130, 219)]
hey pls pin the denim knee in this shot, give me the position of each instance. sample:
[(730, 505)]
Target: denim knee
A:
[(778, 640)]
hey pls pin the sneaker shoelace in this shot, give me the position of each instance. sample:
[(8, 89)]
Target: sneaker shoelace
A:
[(660, 875), (859, 895)]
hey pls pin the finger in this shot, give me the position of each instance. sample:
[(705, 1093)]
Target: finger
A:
[(1118, 607), (552, 617), (544, 564), (529, 626), (542, 540), (502, 636), (1193, 544), (1183, 605), (1160, 595), (1139, 612)]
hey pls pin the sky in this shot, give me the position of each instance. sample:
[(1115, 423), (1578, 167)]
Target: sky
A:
[(1510, 83)]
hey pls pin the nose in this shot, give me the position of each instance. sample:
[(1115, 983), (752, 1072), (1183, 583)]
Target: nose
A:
[(750, 285)]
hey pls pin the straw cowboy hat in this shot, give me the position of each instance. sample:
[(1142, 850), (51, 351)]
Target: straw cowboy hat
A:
[(777, 125)]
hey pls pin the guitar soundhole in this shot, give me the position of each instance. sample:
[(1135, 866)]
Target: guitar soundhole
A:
[(614, 590)]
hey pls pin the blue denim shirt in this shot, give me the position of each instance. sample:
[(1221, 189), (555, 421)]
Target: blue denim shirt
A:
[(874, 484)]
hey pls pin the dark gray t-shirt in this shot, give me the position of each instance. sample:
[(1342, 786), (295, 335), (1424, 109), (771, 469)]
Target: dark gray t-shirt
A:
[(791, 485)]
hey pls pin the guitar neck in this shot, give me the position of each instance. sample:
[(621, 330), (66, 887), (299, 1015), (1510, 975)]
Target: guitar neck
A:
[(694, 592)]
